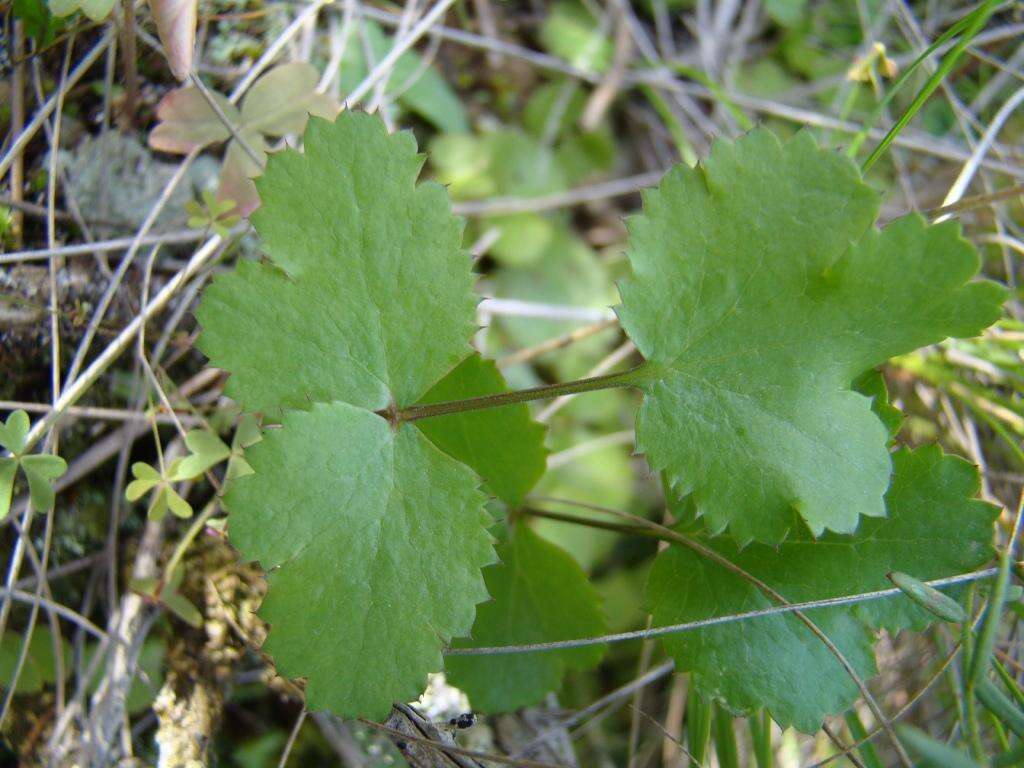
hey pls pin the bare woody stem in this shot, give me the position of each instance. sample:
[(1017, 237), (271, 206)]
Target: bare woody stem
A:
[(631, 378)]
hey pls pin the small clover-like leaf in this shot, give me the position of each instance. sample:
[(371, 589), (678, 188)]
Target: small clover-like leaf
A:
[(246, 434), (14, 432), (210, 201), (96, 10), (935, 528), (162, 495), (41, 470), (761, 291), (146, 478), (197, 218), (213, 214), (178, 505), (8, 470), (157, 509), (207, 450)]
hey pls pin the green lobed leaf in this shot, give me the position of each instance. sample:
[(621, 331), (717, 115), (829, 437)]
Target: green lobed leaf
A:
[(355, 245), (504, 445), (934, 529), (373, 538), (871, 384), (761, 290), (539, 594)]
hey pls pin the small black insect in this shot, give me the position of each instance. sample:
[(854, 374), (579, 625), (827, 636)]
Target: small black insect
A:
[(463, 721)]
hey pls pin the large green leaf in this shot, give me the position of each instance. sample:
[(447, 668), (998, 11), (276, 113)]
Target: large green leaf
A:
[(504, 445), (373, 538), (761, 290), (362, 259), (540, 594), (934, 529)]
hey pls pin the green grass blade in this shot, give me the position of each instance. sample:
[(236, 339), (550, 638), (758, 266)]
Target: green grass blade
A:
[(977, 20), (698, 726), (761, 736), (1013, 757), (986, 641), (867, 752), (876, 114), (934, 752), (999, 704), (725, 740)]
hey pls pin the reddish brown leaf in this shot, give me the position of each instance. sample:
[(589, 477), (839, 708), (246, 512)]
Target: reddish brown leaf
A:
[(176, 25)]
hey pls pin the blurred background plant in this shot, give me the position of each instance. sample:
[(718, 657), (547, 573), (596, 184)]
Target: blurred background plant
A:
[(132, 637)]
